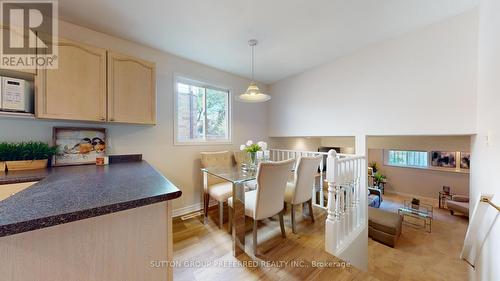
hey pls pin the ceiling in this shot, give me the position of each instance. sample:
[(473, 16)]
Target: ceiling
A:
[(294, 35)]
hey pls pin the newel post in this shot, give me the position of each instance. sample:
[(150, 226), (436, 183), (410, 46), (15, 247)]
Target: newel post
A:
[(333, 189)]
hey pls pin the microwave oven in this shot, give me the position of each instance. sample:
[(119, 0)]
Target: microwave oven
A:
[(16, 95)]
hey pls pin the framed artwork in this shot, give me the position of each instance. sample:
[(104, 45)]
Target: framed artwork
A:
[(464, 160), (446, 189), (443, 159), (78, 146)]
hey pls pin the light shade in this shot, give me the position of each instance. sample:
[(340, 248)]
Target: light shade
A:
[(253, 94)]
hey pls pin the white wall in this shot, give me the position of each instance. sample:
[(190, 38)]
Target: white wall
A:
[(180, 164), (346, 144), (485, 161), (296, 143), (423, 82)]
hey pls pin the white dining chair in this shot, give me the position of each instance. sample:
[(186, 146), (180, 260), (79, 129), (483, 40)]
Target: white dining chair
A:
[(217, 188), (299, 191), (265, 200)]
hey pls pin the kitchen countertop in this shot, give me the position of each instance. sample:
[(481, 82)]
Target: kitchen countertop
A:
[(67, 194)]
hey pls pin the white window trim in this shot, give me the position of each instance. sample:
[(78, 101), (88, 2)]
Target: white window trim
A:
[(195, 82), (386, 159)]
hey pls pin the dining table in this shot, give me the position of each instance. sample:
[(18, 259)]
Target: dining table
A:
[(237, 176)]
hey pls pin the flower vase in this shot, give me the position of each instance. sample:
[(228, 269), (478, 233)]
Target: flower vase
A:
[(253, 160)]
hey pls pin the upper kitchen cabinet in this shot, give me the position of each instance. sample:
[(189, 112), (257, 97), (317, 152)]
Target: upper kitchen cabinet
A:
[(131, 90), (76, 90), (15, 35)]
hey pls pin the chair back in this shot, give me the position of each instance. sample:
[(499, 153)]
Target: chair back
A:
[(241, 157), (271, 184), (219, 159), (306, 169)]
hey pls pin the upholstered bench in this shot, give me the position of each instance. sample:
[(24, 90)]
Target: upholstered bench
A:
[(383, 226)]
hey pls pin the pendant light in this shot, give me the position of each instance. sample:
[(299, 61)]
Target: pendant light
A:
[(253, 93)]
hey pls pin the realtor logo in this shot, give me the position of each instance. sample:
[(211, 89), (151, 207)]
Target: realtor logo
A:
[(29, 34)]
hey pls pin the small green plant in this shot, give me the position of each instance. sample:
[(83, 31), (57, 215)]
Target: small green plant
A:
[(253, 148), (378, 178), (32, 150), (4, 148), (373, 165)]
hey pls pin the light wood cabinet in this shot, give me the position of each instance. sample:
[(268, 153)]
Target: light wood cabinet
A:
[(113, 247), (13, 72), (76, 90), (131, 90), (8, 190)]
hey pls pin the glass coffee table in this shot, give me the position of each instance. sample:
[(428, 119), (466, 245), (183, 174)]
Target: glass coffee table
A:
[(421, 212)]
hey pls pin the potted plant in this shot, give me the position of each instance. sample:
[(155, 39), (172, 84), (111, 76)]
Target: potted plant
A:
[(373, 165), (27, 155), (3, 155), (252, 149), (378, 178)]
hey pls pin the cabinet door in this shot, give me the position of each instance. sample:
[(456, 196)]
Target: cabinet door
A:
[(131, 90), (8, 190), (8, 71), (76, 90)]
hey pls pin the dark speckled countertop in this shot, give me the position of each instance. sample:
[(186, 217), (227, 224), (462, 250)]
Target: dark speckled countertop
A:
[(66, 194)]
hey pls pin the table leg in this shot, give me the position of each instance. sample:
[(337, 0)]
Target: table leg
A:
[(206, 197), (238, 216)]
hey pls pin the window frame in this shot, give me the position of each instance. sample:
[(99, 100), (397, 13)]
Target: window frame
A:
[(386, 159), (199, 83)]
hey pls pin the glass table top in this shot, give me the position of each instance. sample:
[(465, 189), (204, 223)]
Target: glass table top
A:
[(235, 175), (419, 212)]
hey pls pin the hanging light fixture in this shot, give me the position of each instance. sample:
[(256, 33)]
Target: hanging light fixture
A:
[(253, 93)]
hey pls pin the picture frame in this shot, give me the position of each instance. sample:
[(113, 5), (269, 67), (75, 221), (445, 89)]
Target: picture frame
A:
[(446, 189), (444, 159), (465, 160), (78, 145)]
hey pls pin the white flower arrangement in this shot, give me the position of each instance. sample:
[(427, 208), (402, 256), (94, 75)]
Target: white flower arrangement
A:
[(253, 147)]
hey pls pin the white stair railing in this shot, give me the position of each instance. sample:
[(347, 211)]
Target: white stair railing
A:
[(318, 187), (346, 211)]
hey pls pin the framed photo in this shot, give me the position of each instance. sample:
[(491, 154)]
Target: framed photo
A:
[(443, 159), (464, 160), (446, 189), (78, 146)]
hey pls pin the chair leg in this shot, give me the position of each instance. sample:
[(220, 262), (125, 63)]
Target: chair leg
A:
[(230, 222), (206, 200), (221, 214), (311, 209), (255, 236), (292, 210), (282, 224)]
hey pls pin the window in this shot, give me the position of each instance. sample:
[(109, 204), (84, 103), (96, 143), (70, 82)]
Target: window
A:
[(407, 158), (202, 113)]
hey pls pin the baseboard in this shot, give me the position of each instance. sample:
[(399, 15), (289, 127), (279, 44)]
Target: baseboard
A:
[(433, 200), (192, 208)]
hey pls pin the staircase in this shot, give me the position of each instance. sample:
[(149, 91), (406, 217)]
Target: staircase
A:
[(346, 234), (344, 198)]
